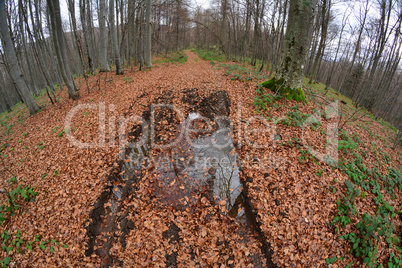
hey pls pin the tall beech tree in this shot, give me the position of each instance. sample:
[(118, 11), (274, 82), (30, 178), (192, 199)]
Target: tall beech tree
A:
[(59, 45), (115, 43), (104, 67), (148, 44), (288, 79), (12, 62)]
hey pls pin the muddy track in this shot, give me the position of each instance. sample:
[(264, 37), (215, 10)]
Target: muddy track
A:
[(109, 216), (105, 220), (255, 224)]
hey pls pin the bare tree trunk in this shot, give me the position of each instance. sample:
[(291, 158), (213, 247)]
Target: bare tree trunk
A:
[(358, 42), (148, 29), (85, 32), (367, 99), (325, 13), (4, 99), (33, 83), (44, 49), (297, 42), (119, 67), (104, 66), (59, 41), (91, 37), (135, 36), (331, 73), (397, 139), (37, 52), (13, 66), (71, 8)]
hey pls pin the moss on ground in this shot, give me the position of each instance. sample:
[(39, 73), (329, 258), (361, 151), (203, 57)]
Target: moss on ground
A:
[(278, 86)]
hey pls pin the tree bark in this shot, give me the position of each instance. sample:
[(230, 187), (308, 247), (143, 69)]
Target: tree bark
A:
[(297, 42), (71, 8), (59, 41), (13, 66), (119, 67), (85, 31), (104, 66), (4, 99), (325, 14), (148, 62)]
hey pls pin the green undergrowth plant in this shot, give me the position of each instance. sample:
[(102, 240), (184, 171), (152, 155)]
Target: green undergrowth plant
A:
[(345, 143), (175, 58), (16, 243), (295, 117), (241, 72), (17, 195), (365, 231), (369, 229), (263, 101), (210, 55), (128, 80), (306, 156), (278, 86)]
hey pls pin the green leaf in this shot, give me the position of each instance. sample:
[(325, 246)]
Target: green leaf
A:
[(6, 260), (42, 246), (8, 249), (51, 249), (65, 246), (331, 260)]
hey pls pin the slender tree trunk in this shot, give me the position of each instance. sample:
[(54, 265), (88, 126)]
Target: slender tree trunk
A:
[(13, 66), (117, 60), (148, 62), (104, 66), (33, 83), (358, 42), (328, 83), (90, 29), (367, 99), (326, 8), (37, 52), (59, 45), (71, 8), (4, 99), (85, 32)]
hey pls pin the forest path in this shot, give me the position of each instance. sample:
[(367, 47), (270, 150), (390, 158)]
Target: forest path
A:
[(178, 203), (292, 200), (70, 179)]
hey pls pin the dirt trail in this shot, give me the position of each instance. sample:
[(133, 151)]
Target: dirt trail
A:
[(196, 191), (70, 179), (292, 202)]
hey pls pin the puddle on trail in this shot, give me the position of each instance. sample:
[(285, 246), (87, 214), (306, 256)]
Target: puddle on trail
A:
[(207, 163), (204, 162)]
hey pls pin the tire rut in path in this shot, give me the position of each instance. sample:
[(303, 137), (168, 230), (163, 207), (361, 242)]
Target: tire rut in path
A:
[(107, 214)]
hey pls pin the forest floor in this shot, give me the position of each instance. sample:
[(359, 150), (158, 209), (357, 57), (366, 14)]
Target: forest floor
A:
[(109, 205)]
